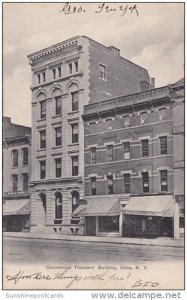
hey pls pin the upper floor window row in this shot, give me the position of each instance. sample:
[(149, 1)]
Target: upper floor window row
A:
[(127, 150), (57, 72), (127, 118)]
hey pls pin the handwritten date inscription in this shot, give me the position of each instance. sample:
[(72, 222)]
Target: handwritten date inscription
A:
[(101, 8)]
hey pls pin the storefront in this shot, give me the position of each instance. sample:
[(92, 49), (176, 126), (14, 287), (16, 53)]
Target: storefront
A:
[(16, 215), (149, 216), (101, 216)]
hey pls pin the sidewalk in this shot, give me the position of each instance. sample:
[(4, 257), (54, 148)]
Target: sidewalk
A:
[(164, 242)]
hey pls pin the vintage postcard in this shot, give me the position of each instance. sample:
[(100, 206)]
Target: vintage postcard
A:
[(93, 146)]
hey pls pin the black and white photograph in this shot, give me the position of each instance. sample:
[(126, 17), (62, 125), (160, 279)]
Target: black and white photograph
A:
[(93, 146)]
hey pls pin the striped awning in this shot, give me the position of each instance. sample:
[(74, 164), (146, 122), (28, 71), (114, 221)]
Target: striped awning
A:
[(99, 206), (17, 207), (156, 205)]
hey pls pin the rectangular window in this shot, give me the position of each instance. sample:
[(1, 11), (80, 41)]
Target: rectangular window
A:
[(14, 183), (145, 148), (59, 72), (93, 155), (15, 158), (54, 73), (102, 71), (58, 167), (75, 133), (42, 139), (58, 101), (143, 117), (38, 75), (126, 120), (58, 136), (163, 145), (70, 68), (43, 109), (145, 182), (110, 152), (127, 150), (76, 66), (75, 166), (110, 184), (43, 74), (25, 181), (93, 185), (162, 113), (127, 183), (42, 169), (25, 156), (164, 180), (75, 100)]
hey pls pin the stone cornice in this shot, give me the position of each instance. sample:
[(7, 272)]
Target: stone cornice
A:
[(68, 44)]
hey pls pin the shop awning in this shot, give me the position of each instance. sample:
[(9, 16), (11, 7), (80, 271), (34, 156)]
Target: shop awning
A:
[(159, 205), (99, 206), (17, 207)]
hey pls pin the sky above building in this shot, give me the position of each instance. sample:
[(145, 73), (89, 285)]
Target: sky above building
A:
[(150, 34)]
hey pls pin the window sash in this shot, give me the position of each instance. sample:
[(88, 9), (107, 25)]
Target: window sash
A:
[(58, 105), (75, 100), (110, 152), (15, 158), (43, 109), (163, 145), (25, 156), (93, 155), (127, 183), (102, 71), (145, 148)]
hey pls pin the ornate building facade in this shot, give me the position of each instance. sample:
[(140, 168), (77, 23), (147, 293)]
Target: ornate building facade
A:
[(16, 176), (65, 78)]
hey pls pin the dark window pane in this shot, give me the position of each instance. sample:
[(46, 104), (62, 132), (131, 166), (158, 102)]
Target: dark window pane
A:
[(75, 101), (15, 158), (58, 105), (42, 169), (163, 145), (43, 109), (145, 148), (75, 134), (127, 183), (164, 180), (75, 168), (58, 132), (58, 206), (145, 182), (110, 184), (42, 139), (25, 156)]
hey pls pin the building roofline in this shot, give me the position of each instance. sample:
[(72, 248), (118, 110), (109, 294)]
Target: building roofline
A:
[(84, 36), (52, 46)]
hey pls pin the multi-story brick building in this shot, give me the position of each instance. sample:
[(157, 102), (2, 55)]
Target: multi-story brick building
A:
[(134, 164), (65, 77), (16, 176)]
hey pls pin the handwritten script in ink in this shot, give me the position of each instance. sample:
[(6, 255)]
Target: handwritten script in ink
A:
[(70, 279), (101, 8)]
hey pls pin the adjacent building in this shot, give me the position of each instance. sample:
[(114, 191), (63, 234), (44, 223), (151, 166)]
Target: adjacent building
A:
[(134, 164), (66, 77), (16, 176)]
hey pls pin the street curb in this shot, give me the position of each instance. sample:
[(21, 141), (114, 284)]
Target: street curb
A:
[(94, 241)]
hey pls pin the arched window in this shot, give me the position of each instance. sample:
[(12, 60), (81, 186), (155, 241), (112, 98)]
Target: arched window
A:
[(75, 200), (58, 205), (43, 199)]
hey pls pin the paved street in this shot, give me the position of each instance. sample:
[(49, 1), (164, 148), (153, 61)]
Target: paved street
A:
[(21, 250)]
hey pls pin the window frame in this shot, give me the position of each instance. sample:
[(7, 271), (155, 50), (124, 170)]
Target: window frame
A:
[(58, 170), (25, 175), (110, 155), (145, 147), (75, 165), (93, 155), (58, 206), (110, 187), (102, 73), (43, 139), (127, 183), (75, 133), (164, 180), (25, 153), (93, 181), (58, 136), (15, 159), (145, 189), (126, 153), (163, 146), (14, 183), (43, 110), (75, 100), (58, 108), (42, 172)]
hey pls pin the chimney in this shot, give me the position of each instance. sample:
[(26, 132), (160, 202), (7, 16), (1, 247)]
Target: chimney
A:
[(152, 83), (114, 49), (144, 85)]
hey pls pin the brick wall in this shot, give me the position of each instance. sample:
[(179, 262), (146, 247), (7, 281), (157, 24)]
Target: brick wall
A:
[(122, 76)]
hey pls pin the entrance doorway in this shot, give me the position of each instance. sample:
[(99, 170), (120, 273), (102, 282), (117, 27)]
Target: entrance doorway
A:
[(91, 226)]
